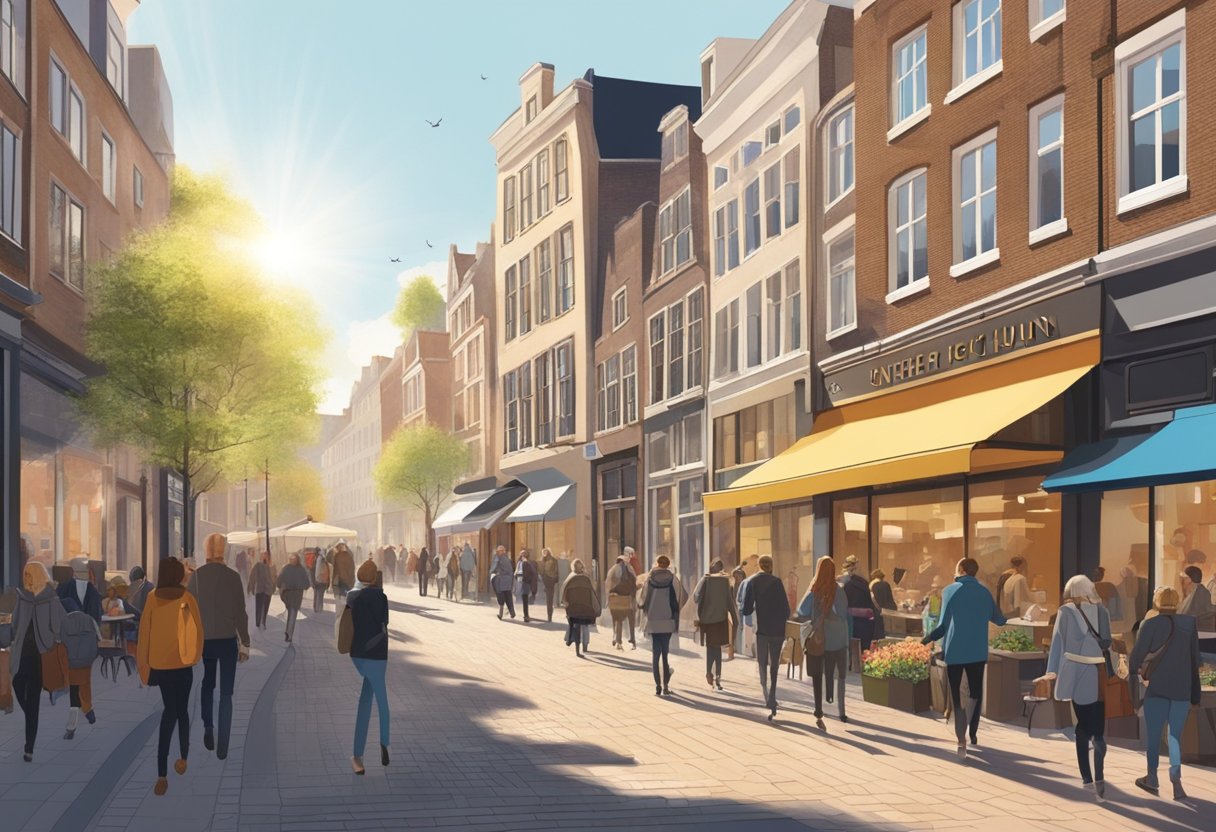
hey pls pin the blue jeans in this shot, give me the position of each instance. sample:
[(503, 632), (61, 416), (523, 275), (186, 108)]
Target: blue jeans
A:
[(660, 645), (372, 671), (1158, 712), (224, 652)]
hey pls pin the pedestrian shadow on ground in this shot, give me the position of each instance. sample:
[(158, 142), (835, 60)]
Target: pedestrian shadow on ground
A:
[(412, 609), (620, 663)]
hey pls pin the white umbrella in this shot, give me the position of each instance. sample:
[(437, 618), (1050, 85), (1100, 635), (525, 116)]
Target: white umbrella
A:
[(244, 538), (319, 532)]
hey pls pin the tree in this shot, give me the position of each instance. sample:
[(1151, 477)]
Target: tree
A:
[(207, 370), (420, 465), (419, 306), (295, 492)]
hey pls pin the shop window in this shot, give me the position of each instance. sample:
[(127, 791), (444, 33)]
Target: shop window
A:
[(724, 537), (755, 539), (918, 538), (692, 527), (1016, 518), (663, 525), (726, 448), (792, 553), (850, 531), (1123, 540), (1186, 532)]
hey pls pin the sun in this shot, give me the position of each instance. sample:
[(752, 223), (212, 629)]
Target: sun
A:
[(281, 253)]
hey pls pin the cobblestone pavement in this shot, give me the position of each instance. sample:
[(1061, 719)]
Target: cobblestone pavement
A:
[(498, 726)]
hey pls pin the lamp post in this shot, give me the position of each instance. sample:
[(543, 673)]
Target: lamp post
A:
[(267, 505)]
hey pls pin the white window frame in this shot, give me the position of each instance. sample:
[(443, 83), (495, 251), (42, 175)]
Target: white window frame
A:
[(1156, 38), (59, 119), (1044, 231), (109, 168), (543, 201), (725, 171), (1040, 25), (656, 345), (747, 219), (82, 152), (772, 134), (13, 207), (830, 238), (137, 186), (119, 60), (10, 61), (786, 127), (759, 145), (561, 170), (964, 84), (834, 151), (961, 267), (917, 285), (629, 379), (671, 232), (620, 299), (899, 126), (772, 193)]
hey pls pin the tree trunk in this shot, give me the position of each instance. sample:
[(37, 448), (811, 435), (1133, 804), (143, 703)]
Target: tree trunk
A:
[(187, 499), (430, 533)]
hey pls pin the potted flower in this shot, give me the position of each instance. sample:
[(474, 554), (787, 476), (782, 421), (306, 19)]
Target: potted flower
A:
[(897, 675)]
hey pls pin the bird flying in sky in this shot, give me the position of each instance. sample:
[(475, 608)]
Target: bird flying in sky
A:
[(433, 123)]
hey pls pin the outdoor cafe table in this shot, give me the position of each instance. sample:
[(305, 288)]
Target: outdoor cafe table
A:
[(111, 657)]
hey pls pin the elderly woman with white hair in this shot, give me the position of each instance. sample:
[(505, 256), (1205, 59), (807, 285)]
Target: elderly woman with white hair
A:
[(1078, 653)]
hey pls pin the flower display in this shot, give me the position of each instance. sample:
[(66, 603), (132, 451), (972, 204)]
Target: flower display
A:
[(1013, 641), (907, 660), (1207, 676)]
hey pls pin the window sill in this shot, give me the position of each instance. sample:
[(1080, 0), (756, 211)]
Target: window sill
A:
[(1039, 30), (908, 123), (977, 262), (913, 288), (977, 80), (616, 327), (1049, 231), (844, 330), (837, 200), (1153, 193)]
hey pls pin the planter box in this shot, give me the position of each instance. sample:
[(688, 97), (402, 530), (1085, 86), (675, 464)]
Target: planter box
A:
[(896, 693), (1003, 682)]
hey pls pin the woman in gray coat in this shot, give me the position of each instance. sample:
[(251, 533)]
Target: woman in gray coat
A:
[(1081, 637), (663, 597), (37, 624), (292, 582), (717, 618)]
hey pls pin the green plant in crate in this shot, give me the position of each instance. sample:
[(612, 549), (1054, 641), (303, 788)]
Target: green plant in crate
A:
[(1207, 676), (1013, 641), (907, 660)]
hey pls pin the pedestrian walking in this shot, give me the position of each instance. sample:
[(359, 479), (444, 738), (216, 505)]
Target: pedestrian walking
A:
[(137, 592), (38, 618), (170, 644), (292, 583), (967, 609), (82, 605), (411, 565), (502, 580), (423, 569), (261, 587), (738, 577), (622, 591), (662, 599), (1078, 652), (320, 582), (717, 617), (764, 595), (468, 562), (342, 570), (79, 594), (217, 590), (441, 573), (525, 575), (1165, 664), (241, 562), (390, 563), (582, 605), (369, 653), (548, 576), (453, 572), (861, 603), (824, 611)]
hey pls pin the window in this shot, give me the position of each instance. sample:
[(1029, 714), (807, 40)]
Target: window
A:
[(909, 226), (1047, 170), (472, 404), (750, 152), (721, 176), (658, 349), (565, 269), (772, 201), (10, 184), (544, 398), (751, 217), (59, 99), (675, 232), (977, 39), (530, 110), (108, 165), (793, 307), (76, 123), (1150, 95), (542, 183), (975, 194), (9, 59), (675, 349), (620, 308), (114, 63), (792, 192), (525, 405), (564, 355), (511, 303), (775, 292), (75, 244), (57, 236), (508, 209), (772, 134), (608, 378), (525, 296), (544, 279), (910, 84), (629, 384), (510, 397), (726, 237), (137, 187), (413, 393), (793, 117), (561, 176), (525, 197), (842, 281), (726, 340), (696, 315), (1045, 15), (840, 155), (753, 330), (675, 144)]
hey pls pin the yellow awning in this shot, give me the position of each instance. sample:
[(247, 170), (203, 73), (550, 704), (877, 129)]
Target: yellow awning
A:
[(933, 430)]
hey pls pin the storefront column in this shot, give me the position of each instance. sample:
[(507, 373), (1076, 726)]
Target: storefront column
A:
[(821, 542), (10, 467)]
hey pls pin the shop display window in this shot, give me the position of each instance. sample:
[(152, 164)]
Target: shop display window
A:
[(1015, 518), (850, 531), (1124, 536), (793, 557), (723, 526), (37, 502), (755, 538), (1186, 531), (918, 537)]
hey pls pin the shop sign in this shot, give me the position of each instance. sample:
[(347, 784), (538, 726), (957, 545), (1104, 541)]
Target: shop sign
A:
[(174, 488), (1024, 330)]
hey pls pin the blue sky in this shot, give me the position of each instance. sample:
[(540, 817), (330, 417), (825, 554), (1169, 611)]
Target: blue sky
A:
[(315, 112)]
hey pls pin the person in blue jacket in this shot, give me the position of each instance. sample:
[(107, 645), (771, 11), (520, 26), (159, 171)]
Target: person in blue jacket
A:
[(967, 607)]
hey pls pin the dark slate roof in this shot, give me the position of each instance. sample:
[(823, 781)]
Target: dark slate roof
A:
[(627, 114)]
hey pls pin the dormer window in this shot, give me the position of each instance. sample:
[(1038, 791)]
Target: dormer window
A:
[(707, 78), (675, 144), (530, 110)]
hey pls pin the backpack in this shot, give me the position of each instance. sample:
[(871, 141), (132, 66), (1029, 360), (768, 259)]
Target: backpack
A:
[(344, 630), (189, 639), (79, 635), (627, 583)]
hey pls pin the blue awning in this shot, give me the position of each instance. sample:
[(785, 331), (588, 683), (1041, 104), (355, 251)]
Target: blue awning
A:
[(1182, 451)]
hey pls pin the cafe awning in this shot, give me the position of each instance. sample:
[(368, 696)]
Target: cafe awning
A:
[(1181, 451), (481, 510), (546, 504), (942, 428), (462, 505)]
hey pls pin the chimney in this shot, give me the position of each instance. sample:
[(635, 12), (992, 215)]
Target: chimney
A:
[(535, 90)]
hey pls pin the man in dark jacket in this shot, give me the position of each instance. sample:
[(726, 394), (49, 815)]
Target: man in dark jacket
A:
[(424, 569), (526, 572), (221, 605), (765, 596), (861, 602)]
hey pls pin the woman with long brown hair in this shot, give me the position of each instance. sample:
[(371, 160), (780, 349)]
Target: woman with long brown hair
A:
[(827, 651)]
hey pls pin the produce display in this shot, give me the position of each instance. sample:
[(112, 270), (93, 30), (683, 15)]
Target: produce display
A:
[(1207, 676), (906, 660), (1013, 641)]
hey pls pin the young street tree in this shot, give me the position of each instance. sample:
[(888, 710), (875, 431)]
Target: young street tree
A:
[(207, 369), (420, 465), (419, 306)]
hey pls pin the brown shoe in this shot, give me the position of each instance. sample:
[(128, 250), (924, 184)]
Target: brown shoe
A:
[(180, 766), (162, 786)]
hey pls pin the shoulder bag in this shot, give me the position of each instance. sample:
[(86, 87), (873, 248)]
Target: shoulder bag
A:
[(1111, 689), (1149, 666)]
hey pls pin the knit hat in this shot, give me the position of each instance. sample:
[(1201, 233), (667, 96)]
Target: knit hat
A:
[(367, 572)]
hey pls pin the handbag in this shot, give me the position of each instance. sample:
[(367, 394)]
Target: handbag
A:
[(811, 633), (55, 668), (1149, 665), (1111, 689)]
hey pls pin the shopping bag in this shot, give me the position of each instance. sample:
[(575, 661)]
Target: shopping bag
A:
[(55, 668)]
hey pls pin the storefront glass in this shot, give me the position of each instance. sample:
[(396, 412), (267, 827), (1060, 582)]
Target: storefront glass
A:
[(722, 541), (37, 501), (793, 557), (691, 560), (755, 538), (558, 535), (850, 531), (919, 539), (1124, 536), (1016, 518), (662, 524), (1186, 531), (83, 506)]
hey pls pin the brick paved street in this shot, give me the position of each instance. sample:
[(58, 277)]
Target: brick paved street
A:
[(496, 725)]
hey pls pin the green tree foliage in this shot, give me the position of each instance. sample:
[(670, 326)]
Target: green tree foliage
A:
[(296, 492), (207, 369), (419, 306), (419, 466)]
